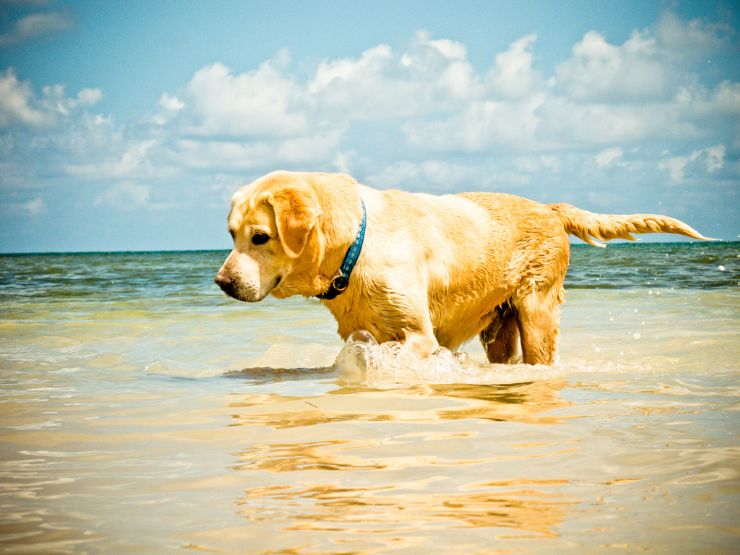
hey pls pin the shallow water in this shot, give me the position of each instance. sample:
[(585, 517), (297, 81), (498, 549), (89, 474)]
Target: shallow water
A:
[(142, 411)]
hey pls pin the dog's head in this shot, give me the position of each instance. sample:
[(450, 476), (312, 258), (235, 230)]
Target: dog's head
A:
[(271, 221)]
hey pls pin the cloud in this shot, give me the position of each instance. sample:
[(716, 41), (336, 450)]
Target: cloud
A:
[(537, 164), (715, 158), (171, 103), (603, 93), (133, 162), (32, 208), (55, 102), (125, 195), (608, 157), (129, 196), (690, 39), (726, 98), (16, 100), (426, 100), (432, 76), (260, 103), (479, 127), (513, 75), (169, 106), (18, 104), (420, 117), (429, 175), (706, 160), (196, 154), (601, 71), (648, 66), (88, 97), (35, 25)]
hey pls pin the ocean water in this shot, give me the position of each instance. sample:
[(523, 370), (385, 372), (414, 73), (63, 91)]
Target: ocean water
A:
[(142, 411)]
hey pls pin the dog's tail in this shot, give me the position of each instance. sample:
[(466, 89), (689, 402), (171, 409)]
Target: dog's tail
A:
[(584, 225)]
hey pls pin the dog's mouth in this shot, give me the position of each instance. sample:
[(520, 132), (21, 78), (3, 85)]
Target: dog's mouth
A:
[(232, 289)]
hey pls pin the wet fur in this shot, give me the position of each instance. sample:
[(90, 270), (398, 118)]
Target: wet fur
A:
[(434, 270)]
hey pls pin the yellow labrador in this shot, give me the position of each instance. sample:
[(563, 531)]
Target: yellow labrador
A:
[(421, 269)]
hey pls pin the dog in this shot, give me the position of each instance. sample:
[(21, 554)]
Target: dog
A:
[(422, 269)]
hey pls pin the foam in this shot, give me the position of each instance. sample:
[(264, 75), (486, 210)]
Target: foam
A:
[(363, 361)]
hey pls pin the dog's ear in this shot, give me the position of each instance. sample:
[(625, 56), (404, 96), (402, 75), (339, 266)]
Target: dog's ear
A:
[(296, 211)]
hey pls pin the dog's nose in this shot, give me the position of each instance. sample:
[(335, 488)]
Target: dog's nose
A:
[(225, 283)]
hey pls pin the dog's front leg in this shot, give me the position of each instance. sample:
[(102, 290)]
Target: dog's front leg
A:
[(421, 343)]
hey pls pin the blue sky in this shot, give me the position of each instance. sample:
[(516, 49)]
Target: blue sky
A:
[(126, 125)]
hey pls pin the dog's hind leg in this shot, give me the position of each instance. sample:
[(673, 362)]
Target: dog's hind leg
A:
[(500, 339)]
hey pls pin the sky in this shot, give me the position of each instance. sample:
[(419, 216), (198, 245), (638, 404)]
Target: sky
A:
[(127, 125)]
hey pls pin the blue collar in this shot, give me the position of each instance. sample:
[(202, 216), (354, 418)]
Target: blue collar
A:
[(340, 281)]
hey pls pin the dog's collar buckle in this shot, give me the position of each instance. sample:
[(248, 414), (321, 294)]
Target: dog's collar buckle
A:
[(340, 281)]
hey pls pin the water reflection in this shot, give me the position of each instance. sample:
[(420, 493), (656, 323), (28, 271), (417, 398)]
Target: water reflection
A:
[(525, 402), (395, 509), (435, 457)]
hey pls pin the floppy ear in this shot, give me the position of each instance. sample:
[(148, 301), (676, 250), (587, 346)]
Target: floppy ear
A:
[(296, 211)]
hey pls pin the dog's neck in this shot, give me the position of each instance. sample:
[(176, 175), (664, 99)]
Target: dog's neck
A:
[(339, 227), (340, 280)]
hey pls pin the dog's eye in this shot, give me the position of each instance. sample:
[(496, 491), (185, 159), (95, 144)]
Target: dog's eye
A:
[(232, 233), (260, 238)]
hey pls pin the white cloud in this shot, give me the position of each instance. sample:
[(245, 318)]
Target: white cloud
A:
[(129, 196), (260, 103), (343, 161), (537, 164), (18, 104), (512, 75), (16, 101), (481, 126), (88, 97), (692, 39), (715, 158), (35, 25), (32, 208), (608, 157), (648, 66), (676, 165), (235, 156), (419, 117), (430, 175), (432, 76), (569, 121), (35, 206), (133, 162), (726, 98), (450, 49), (441, 104), (126, 195), (598, 70), (171, 103), (301, 150), (603, 94), (706, 160), (56, 102)]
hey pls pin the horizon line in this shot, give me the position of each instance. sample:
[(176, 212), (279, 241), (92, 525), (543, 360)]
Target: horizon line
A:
[(617, 242)]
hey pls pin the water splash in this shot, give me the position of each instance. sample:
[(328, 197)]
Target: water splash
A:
[(388, 365)]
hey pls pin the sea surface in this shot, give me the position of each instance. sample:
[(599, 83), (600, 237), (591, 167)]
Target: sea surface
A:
[(142, 411)]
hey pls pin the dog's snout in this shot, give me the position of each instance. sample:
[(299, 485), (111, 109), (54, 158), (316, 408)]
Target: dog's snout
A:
[(225, 283)]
